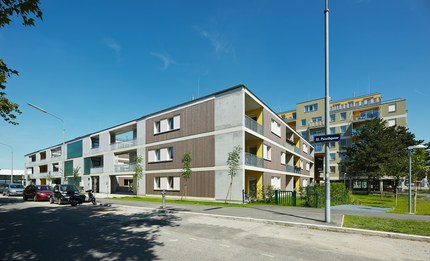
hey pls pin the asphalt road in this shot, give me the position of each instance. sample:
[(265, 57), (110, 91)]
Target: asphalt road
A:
[(40, 231)]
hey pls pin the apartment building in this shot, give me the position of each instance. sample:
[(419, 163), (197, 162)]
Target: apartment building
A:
[(346, 116), (210, 127)]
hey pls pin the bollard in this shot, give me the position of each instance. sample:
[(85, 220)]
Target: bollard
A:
[(163, 196)]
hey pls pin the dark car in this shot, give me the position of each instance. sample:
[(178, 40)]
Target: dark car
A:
[(13, 190), (66, 193), (2, 186), (37, 192)]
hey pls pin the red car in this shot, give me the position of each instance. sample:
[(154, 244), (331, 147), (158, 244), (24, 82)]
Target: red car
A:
[(37, 192)]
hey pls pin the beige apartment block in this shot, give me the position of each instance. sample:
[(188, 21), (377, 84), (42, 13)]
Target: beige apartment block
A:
[(346, 116)]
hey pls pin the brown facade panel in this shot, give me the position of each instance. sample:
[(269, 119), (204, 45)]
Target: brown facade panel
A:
[(202, 153), (195, 119), (201, 184)]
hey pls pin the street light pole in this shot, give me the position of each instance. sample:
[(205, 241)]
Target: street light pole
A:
[(11, 170), (327, 118), (63, 148), (410, 149)]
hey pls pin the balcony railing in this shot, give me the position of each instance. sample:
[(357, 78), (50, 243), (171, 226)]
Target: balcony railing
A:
[(123, 144), (366, 117), (253, 125), (124, 167), (316, 124), (96, 170), (363, 103), (289, 168), (297, 150), (253, 160)]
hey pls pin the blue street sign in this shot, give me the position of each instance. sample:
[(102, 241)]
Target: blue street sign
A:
[(326, 138)]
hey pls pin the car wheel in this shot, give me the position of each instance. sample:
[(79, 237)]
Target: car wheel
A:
[(24, 198), (51, 200), (35, 198), (59, 201)]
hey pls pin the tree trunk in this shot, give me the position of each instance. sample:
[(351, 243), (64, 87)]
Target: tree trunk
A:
[(229, 191)]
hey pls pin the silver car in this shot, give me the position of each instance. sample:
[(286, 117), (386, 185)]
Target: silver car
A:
[(13, 190)]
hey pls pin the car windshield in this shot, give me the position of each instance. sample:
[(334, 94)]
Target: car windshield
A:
[(43, 188), (68, 187), (16, 186)]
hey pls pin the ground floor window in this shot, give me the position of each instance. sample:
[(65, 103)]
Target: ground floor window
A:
[(167, 183)]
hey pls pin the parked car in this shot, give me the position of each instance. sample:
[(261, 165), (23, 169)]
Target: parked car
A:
[(2, 187), (37, 192), (13, 190), (66, 193)]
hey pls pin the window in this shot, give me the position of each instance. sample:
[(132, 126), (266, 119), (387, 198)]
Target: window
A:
[(276, 128), (308, 166), (276, 183), (342, 142), (317, 119), (163, 154), (267, 152), (332, 156), (318, 147), (303, 122), (305, 148), (304, 134), (343, 116), (332, 144), (391, 122), (301, 164), (332, 130), (332, 169), (312, 107), (392, 108), (343, 129), (167, 183), (283, 158), (332, 117), (168, 124)]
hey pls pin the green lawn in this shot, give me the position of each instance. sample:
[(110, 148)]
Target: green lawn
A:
[(412, 227), (423, 206)]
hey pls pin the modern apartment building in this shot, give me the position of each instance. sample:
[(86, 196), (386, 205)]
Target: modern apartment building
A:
[(345, 117), (210, 127)]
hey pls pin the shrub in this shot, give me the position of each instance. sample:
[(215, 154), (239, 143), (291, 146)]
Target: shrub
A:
[(314, 196)]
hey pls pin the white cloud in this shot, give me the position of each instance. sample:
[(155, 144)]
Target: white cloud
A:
[(114, 46), (215, 39), (164, 58)]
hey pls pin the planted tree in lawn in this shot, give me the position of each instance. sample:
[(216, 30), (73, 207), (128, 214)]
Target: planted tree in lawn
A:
[(233, 166), (138, 172), (186, 170)]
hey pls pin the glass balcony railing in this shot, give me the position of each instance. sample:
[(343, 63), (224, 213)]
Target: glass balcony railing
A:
[(289, 168), (124, 167), (253, 160), (96, 170), (253, 125), (123, 144)]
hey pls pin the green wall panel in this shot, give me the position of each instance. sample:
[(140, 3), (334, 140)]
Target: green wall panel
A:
[(68, 168), (87, 166), (74, 150)]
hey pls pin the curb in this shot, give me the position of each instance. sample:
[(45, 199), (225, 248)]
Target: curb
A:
[(295, 224)]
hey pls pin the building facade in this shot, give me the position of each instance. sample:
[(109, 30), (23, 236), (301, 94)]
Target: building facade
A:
[(209, 128), (346, 116)]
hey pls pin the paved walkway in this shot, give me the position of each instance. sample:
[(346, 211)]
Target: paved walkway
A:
[(314, 216)]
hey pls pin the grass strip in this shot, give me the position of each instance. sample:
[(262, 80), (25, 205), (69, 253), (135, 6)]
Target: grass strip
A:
[(412, 227)]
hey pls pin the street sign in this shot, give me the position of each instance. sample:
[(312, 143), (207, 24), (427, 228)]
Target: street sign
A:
[(326, 138)]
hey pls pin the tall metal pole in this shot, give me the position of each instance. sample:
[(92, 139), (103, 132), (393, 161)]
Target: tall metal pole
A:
[(63, 148), (327, 119), (410, 182), (11, 170)]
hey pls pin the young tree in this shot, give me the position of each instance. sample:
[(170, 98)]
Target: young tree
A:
[(49, 177), (186, 170), (138, 172), (28, 10), (76, 175), (233, 165)]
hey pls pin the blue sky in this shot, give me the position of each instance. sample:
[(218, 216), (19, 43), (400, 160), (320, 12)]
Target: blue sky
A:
[(101, 63)]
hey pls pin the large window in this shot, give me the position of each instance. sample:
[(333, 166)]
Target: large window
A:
[(392, 108), (168, 124), (303, 122), (317, 119), (276, 128), (391, 122), (276, 183), (267, 152), (311, 107), (163, 154), (343, 129), (332, 156), (343, 116), (283, 158), (332, 130), (167, 183), (332, 117)]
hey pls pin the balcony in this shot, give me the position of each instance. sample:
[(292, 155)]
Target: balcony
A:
[(253, 160), (121, 144), (315, 124), (125, 167), (360, 104), (367, 116), (253, 125), (96, 170), (289, 168)]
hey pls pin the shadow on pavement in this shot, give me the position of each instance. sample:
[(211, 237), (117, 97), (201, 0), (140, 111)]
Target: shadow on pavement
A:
[(80, 233)]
